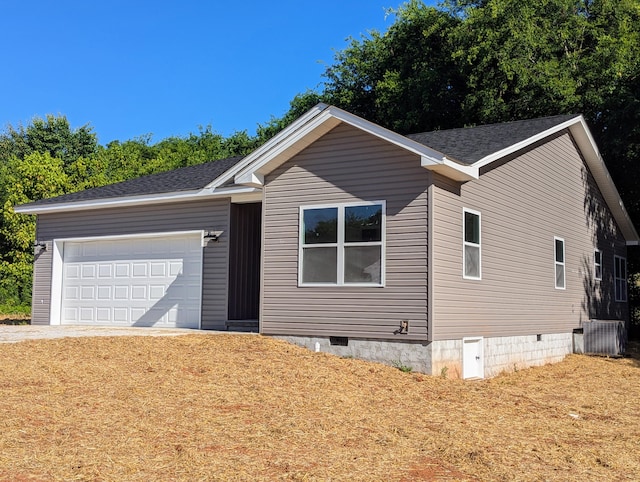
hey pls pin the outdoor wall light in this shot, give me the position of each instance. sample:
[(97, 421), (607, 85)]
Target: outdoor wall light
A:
[(40, 244), (210, 235)]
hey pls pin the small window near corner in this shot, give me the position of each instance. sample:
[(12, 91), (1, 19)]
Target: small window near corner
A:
[(559, 263), (471, 258), (620, 276), (597, 264)]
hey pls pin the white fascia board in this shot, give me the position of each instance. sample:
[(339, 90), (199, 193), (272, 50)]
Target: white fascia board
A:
[(270, 144), (452, 169), (318, 122), (133, 200), (526, 142), (587, 146), (385, 134), (249, 178), (589, 149), (288, 144)]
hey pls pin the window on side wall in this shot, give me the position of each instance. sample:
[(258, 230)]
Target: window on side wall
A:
[(559, 263), (597, 264), (342, 244), (471, 258), (620, 276)]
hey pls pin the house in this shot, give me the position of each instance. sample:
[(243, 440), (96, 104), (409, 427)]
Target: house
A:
[(467, 251)]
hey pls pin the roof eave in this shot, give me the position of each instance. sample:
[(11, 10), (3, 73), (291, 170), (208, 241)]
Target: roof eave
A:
[(589, 149), (451, 169), (143, 200), (583, 138), (317, 122)]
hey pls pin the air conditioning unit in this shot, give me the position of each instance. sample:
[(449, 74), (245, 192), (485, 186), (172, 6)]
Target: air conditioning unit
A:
[(605, 337)]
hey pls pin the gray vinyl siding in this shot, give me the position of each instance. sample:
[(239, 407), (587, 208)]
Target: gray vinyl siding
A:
[(525, 202), (347, 165), (185, 216)]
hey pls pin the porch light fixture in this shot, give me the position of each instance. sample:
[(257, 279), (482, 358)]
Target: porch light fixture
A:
[(40, 244)]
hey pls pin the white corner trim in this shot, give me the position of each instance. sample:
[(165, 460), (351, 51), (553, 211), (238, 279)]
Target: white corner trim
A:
[(55, 296)]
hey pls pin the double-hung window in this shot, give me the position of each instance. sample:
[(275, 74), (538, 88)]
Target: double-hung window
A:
[(559, 263), (620, 276), (471, 258), (342, 244), (597, 264)]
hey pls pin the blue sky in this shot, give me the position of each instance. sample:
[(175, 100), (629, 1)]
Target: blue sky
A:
[(136, 67)]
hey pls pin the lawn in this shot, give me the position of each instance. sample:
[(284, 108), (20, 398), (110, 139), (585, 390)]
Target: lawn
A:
[(245, 407)]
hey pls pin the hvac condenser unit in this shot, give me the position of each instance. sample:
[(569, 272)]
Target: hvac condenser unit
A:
[(605, 337)]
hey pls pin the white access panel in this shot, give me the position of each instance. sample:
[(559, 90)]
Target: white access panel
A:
[(137, 281), (472, 357)]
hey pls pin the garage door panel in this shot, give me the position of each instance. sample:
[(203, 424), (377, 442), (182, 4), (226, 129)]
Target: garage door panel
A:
[(72, 271), (120, 315), (72, 292), (87, 292), (158, 270), (151, 281), (88, 271)]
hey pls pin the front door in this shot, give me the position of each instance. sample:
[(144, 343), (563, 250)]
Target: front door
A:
[(244, 261)]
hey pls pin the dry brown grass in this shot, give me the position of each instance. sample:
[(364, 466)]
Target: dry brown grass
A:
[(235, 407)]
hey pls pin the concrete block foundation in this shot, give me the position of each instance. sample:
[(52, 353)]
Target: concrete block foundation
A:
[(444, 357)]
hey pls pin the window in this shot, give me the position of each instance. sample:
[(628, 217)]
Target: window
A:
[(597, 264), (471, 255), (342, 244), (559, 263), (620, 275)]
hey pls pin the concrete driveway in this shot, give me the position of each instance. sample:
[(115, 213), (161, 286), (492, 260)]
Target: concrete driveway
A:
[(15, 333)]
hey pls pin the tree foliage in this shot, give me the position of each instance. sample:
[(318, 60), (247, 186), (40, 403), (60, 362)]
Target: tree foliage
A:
[(37, 176), (47, 158), (52, 135), (464, 63)]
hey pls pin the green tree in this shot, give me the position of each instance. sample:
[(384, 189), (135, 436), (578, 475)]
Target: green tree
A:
[(52, 135), (37, 176), (300, 104), (406, 78)]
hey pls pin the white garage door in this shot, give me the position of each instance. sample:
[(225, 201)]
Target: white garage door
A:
[(150, 281)]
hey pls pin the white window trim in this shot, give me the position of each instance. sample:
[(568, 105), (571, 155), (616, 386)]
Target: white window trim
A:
[(619, 297), (596, 265), (341, 244), (465, 244), (558, 263)]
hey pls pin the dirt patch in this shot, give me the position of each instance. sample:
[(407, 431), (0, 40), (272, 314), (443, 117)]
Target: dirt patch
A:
[(233, 407), (15, 319)]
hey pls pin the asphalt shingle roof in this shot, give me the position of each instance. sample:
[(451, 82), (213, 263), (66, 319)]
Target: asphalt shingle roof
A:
[(470, 144), (466, 145), (190, 178)]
